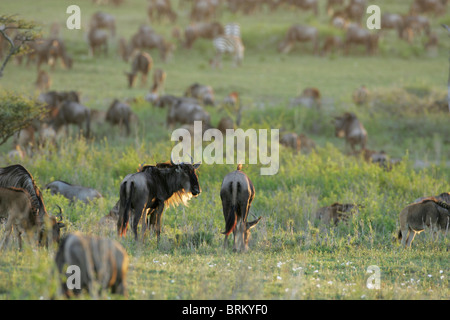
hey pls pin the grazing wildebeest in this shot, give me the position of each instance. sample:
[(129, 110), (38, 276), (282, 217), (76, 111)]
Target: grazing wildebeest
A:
[(154, 188), (72, 192), (71, 112), (336, 212), (119, 113), (16, 176), (161, 8), (445, 197), (15, 206), (49, 50), (103, 20), (331, 44), (186, 112), (299, 33), (101, 261), (147, 39), (98, 40), (142, 63), (415, 217), (205, 94), (349, 127), (207, 30), (237, 193), (357, 35), (43, 81)]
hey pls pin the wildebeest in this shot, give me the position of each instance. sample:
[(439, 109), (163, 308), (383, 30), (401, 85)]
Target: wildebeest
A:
[(119, 113), (98, 40), (207, 30), (16, 176), (237, 193), (355, 10), (307, 5), (71, 112), (349, 127), (15, 206), (291, 140), (427, 213), (205, 94), (159, 78), (186, 112), (43, 81), (72, 192), (331, 44), (438, 7), (361, 95), (299, 33), (356, 35), (147, 39), (49, 50), (310, 98), (415, 24), (142, 63), (103, 264), (161, 8), (336, 212), (225, 123), (202, 10), (445, 197), (392, 21), (154, 188), (103, 20)]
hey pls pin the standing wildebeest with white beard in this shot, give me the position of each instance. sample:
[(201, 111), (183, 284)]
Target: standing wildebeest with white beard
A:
[(142, 63), (16, 176), (154, 188), (415, 217), (101, 261), (72, 192), (299, 33), (349, 127), (119, 113), (71, 112), (237, 193)]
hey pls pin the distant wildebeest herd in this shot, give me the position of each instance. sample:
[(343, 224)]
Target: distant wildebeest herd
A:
[(145, 194)]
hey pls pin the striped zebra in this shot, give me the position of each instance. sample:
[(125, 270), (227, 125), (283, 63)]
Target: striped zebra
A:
[(229, 43)]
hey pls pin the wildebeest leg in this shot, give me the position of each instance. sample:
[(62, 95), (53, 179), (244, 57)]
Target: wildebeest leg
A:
[(159, 213), (139, 210), (411, 236), (8, 229), (226, 210)]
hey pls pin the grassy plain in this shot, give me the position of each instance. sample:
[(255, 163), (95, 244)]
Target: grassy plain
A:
[(291, 256)]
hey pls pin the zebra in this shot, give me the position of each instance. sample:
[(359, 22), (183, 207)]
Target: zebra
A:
[(229, 43)]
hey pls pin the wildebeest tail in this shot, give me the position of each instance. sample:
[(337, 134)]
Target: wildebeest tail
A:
[(230, 221), (125, 207)]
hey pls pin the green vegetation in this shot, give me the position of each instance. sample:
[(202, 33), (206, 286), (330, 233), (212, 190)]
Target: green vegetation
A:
[(291, 256)]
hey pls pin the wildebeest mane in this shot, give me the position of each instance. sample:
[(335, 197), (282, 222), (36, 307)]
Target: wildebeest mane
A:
[(18, 177), (442, 204)]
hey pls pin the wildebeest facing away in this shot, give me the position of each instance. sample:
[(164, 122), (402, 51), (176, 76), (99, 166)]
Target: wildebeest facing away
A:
[(349, 127), (336, 212), (103, 263), (16, 176), (119, 113), (72, 192), (427, 213), (142, 63), (98, 40), (237, 193), (445, 197), (299, 33), (154, 188)]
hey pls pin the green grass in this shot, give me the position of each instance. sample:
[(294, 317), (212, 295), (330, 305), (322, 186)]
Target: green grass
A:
[(291, 256)]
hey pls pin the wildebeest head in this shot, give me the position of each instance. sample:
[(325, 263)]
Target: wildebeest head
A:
[(54, 226), (188, 176)]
